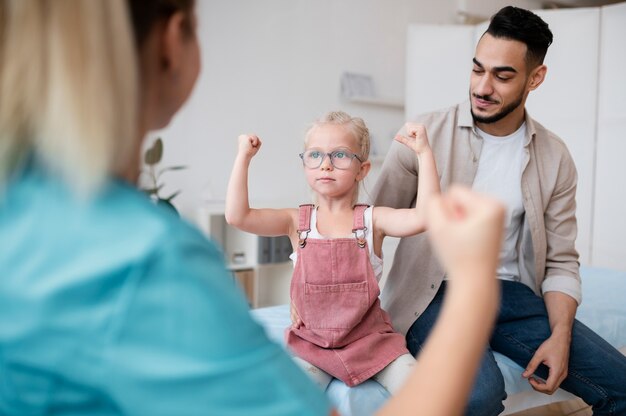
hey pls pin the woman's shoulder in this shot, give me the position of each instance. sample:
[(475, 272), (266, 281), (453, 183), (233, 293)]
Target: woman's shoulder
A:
[(118, 222), (154, 225)]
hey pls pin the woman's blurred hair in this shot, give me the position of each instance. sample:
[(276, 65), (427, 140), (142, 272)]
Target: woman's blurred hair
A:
[(69, 83)]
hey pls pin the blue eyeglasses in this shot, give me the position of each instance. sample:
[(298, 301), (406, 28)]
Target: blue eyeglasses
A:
[(340, 159)]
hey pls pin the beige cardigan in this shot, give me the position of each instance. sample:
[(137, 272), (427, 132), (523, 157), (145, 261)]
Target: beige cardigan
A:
[(547, 256)]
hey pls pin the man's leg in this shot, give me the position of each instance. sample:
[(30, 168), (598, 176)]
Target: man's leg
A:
[(488, 391), (597, 371)]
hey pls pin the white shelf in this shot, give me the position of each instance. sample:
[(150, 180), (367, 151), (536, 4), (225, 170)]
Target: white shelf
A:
[(265, 284), (384, 102), (235, 267)]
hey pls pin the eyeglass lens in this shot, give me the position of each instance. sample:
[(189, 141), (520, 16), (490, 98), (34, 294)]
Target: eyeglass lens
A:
[(340, 159)]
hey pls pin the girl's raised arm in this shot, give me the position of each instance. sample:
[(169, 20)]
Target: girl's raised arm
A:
[(411, 221), (267, 222)]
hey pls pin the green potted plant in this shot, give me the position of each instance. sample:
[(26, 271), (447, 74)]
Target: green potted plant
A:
[(152, 157)]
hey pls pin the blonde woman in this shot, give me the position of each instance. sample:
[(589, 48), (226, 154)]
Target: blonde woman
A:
[(112, 305)]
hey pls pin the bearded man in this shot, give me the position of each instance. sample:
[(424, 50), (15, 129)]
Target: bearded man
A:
[(491, 144)]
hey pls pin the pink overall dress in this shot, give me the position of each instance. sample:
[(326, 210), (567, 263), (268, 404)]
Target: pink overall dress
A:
[(345, 332)]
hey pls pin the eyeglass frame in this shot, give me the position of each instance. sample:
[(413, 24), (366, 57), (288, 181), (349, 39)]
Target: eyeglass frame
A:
[(330, 156)]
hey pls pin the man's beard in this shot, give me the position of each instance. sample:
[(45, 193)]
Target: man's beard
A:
[(498, 116)]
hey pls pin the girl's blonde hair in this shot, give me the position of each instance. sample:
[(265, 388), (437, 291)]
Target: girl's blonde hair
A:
[(355, 125), (68, 88)]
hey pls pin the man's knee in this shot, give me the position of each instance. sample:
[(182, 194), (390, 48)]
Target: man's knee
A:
[(486, 401), (488, 391)]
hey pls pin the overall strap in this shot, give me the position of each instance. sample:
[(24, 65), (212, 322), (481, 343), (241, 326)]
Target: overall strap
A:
[(304, 223), (358, 224)]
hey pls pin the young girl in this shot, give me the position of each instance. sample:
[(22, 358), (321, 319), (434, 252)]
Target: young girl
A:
[(339, 329)]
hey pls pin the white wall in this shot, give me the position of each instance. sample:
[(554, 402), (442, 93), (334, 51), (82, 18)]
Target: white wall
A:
[(439, 59), (271, 67)]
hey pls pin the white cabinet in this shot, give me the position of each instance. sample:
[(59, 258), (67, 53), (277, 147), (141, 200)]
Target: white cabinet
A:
[(264, 279)]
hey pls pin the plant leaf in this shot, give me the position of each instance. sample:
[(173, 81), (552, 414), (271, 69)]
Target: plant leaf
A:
[(154, 154), (153, 191), (173, 168), (169, 198), (162, 171), (158, 149)]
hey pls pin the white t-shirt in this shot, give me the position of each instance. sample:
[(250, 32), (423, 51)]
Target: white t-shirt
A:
[(376, 262), (500, 175)]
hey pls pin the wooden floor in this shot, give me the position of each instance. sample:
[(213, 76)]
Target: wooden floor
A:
[(574, 407)]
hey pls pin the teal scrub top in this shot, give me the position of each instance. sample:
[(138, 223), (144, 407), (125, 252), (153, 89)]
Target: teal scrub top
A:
[(112, 305)]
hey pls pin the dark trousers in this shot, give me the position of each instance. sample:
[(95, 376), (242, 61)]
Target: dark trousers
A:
[(597, 371)]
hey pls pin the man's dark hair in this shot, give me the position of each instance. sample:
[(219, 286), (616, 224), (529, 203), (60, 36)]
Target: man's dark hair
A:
[(524, 26)]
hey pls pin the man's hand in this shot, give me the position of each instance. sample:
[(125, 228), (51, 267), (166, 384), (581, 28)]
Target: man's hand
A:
[(554, 354)]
